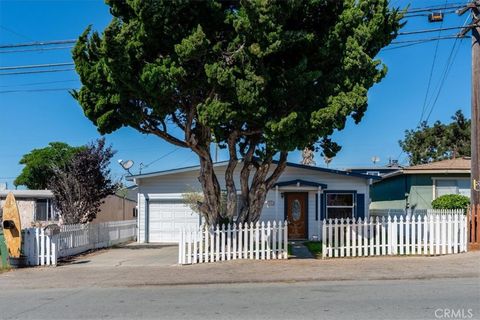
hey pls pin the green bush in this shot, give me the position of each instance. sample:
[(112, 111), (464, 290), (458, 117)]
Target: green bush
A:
[(451, 201)]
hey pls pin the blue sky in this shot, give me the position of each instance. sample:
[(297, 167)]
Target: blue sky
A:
[(33, 119)]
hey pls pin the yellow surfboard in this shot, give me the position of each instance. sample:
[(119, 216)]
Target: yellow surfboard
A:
[(12, 228)]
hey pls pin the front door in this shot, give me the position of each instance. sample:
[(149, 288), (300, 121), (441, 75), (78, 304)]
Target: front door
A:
[(296, 214)]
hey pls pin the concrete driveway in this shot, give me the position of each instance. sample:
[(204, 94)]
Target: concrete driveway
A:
[(130, 255)]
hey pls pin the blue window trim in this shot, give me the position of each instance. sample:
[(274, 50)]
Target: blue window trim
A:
[(354, 192), (301, 183)]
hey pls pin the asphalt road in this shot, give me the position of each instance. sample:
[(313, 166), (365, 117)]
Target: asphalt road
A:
[(380, 299)]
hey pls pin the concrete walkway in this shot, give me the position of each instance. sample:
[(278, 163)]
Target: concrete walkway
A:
[(127, 267), (130, 255), (299, 251)]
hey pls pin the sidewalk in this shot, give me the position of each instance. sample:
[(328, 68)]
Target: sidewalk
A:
[(245, 271)]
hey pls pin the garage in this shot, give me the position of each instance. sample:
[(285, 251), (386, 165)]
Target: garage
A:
[(167, 217)]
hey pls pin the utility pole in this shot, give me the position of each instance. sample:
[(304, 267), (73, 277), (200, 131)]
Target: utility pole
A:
[(474, 8)]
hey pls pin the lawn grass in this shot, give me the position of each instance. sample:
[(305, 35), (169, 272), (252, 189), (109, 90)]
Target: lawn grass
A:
[(315, 247)]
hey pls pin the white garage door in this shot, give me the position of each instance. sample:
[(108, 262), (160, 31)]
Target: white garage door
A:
[(166, 219)]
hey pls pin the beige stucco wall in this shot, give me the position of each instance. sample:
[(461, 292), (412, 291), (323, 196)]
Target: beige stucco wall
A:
[(116, 208), (26, 208)]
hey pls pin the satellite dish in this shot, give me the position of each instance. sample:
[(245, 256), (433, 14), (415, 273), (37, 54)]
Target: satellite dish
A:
[(126, 164)]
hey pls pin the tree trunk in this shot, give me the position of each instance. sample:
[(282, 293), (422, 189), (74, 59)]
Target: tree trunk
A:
[(253, 196), (231, 206), (210, 207)]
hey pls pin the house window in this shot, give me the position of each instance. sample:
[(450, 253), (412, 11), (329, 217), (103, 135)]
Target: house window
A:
[(340, 205), (44, 210), (452, 186)]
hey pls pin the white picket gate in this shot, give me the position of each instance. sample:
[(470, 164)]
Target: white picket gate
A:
[(262, 241), (430, 234), (41, 248)]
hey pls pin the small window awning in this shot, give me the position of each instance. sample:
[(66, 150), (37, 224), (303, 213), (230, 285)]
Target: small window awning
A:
[(301, 183)]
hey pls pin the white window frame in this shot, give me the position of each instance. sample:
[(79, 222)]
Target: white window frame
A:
[(341, 207), (435, 179)]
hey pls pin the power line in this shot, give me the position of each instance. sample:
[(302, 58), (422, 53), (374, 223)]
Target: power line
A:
[(450, 61), (431, 73), (36, 83), (34, 66), (15, 33), (36, 49), (37, 43), (407, 15), (36, 90), (431, 30), (456, 5), (165, 155), (451, 58), (427, 39), (35, 71)]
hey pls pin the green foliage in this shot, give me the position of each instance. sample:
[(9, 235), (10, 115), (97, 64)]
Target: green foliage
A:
[(438, 142), (451, 201), (290, 72), (193, 197), (39, 164), (315, 248), (80, 187)]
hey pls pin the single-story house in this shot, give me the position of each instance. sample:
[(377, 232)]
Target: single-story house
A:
[(415, 187), (375, 170), (36, 207), (303, 195)]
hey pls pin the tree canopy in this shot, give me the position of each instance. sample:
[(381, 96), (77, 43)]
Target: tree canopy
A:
[(261, 78), (39, 164), (439, 141), (80, 187)]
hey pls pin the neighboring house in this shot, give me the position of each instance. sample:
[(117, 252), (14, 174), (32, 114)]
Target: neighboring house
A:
[(374, 171), (304, 195), (415, 187), (35, 206), (392, 166)]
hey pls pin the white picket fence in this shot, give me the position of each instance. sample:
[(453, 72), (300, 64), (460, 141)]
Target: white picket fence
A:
[(40, 248), (243, 241), (431, 234), (412, 212)]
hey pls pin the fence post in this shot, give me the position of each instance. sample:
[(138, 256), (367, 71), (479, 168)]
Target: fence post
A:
[(280, 240), (268, 247), (234, 241), (240, 241), (384, 237), (401, 237), (229, 241), (285, 239), (180, 245), (347, 237), (324, 239), (274, 240), (54, 249), (360, 251), (195, 252)]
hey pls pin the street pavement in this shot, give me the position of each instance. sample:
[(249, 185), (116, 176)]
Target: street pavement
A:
[(144, 282), (380, 299)]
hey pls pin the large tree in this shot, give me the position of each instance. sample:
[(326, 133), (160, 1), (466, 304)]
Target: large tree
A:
[(438, 142), (81, 186), (38, 171), (261, 78)]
